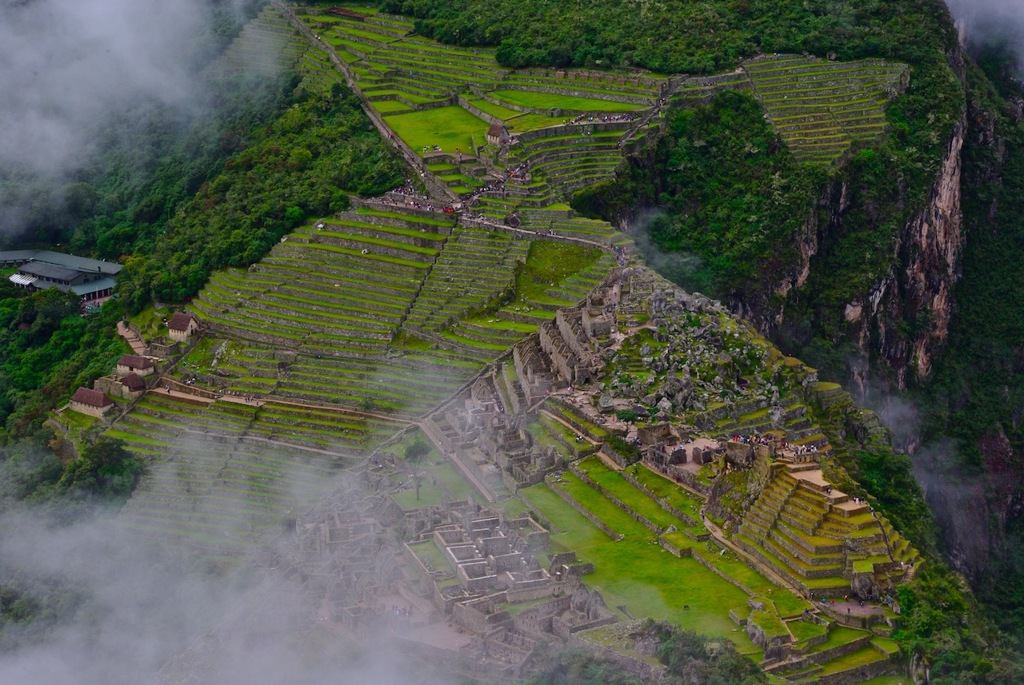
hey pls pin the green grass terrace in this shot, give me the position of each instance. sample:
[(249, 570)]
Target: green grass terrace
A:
[(449, 128)]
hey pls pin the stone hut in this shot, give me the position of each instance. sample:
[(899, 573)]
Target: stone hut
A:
[(91, 402), (497, 134), (132, 384), (181, 326), (134, 364)]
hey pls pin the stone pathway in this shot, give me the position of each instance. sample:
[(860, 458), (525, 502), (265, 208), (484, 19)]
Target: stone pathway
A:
[(134, 341)]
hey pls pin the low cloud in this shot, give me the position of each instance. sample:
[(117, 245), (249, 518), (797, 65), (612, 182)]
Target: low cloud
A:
[(67, 67), (988, 21)]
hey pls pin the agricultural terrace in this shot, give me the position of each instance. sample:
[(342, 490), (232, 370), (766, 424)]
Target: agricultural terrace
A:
[(225, 475), (267, 45), (545, 100), (705, 589), (356, 324), (821, 108), (636, 572)]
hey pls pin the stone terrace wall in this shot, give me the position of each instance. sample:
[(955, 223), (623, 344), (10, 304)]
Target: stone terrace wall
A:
[(579, 473), (645, 671), (555, 91), (583, 511), (662, 502), (476, 111), (582, 93), (570, 129), (599, 76)]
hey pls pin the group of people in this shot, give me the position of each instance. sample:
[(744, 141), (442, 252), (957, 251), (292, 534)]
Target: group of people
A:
[(406, 195), (754, 439), (777, 442), (621, 256), (409, 197), (498, 185), (401, 612), (599, 119)]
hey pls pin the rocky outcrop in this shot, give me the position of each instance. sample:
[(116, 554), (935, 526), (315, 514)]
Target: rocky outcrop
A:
[(918, 288), (903, 319)]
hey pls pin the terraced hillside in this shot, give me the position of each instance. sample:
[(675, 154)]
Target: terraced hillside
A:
[(226, 474), (267, 45), (443, 100), (359, 324), (339, 286), (315, 320), (821, 108), (819, 539), (705, 589)]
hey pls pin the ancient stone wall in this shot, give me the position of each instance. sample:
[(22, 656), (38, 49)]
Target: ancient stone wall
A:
[(585, 512), (679, 514), (579, 473)]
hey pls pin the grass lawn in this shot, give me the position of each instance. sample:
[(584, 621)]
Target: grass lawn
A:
[(430, 496), (526, 98), (447, 127), (427, 551), (618, 487), (488, 107), (889, 680), (803, 630), (548, 263), (662, 487), (861, 657), (531, 122), (387, 106), (151, 321), (638, 573), (405, 217), (78, 420)]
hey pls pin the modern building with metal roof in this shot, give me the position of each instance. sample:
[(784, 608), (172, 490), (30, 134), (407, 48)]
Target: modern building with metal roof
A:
[(90, 279)]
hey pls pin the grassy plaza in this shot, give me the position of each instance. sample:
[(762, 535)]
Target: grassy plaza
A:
[(446, 127)]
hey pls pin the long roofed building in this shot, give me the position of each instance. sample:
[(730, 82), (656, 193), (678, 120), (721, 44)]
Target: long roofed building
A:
[(90, 279)]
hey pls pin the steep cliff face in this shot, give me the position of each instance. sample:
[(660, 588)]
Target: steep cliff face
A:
[(979, 380), (904, 320)]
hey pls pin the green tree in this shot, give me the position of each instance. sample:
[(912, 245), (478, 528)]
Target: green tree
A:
[(415, 451), (105, 469)]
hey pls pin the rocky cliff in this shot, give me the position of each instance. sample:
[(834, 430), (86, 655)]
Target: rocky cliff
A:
[(918, 287), (903, 319)]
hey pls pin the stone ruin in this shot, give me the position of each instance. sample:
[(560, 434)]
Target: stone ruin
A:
[(534, 380), (484, 437), (488, 552), (573, 354)]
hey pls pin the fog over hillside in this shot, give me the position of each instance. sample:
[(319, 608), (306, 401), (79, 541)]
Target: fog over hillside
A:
[(998, 20), (66, 66), (145, 614)]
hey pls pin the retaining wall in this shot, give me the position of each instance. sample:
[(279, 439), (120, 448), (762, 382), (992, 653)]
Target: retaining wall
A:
[(583, 510)]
